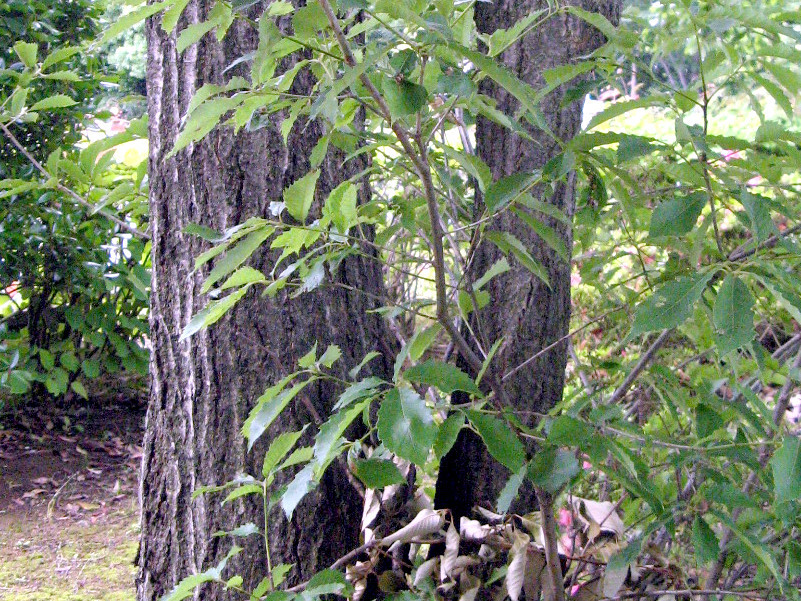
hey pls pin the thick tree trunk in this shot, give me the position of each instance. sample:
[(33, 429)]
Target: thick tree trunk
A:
[(525, 312), (203, 388)]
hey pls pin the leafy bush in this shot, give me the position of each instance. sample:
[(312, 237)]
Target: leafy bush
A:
[(74, 279)]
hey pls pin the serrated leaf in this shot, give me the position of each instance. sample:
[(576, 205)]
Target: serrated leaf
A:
[(705, 543), (377, 473), (405, 425), (26, 51), (551, 469), (502, 443), (243, 275), (128, 20), (300, 195), (503, 192), (301, 485), (327, 442), (507, 242), (677, 216), (671, 305), (404, 97), (235, 256), (786, 464), (56, 101), (733, 315), (268, 407), (422, 340), (279, 447), (212, 313), (443, 376), (510, 490), (447, 434)]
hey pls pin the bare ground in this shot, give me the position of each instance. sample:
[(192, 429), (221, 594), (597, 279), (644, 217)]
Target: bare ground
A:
[(68, 502)]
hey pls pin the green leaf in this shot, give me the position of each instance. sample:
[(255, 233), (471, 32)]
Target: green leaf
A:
[(268, 407), (510, 490), (786, 463), (443, 376), (671, 305), (354, 392), (212, 313), (756, 207), (327, 443), (79, 389), (619, 35), (192, 33), (19, 382), (405, 425), (705, 543), (509, 243), (279, 447), (404, 97), (447, 434), (300, 195), (47, 359), (501, 75), (59, 55), (633, 147), (243, 275), (502, 443), (301, 485), (551, 469), (733, 315), (235, 256), (330, 356), (26, 51), (503, 192), (56, 101), (422, 340), (377, 473), (500, 266), (677, 216), (553, 239), (341, 204), (90, 368), (128, 20)]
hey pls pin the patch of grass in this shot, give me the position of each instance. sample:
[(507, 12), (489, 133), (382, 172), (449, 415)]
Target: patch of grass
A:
[(68, 559)]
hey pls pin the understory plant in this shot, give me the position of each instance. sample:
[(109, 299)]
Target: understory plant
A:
[(668, 470)]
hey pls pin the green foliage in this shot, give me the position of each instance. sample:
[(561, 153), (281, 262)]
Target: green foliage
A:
[(686, 226), (74, 285)]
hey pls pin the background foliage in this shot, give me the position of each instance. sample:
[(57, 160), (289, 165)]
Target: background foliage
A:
[(74, 287)]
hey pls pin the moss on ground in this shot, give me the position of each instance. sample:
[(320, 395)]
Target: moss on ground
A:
[(68, 559)]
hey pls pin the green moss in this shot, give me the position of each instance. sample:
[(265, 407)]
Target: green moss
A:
[(44, 560)]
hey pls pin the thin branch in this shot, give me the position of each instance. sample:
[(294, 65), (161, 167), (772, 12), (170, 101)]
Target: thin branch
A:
[(557, 342), (62, 188), (743, 252), (545, 501), (641, 365)]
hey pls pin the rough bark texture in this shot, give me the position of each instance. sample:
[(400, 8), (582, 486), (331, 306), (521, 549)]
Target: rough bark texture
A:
[(526, 313), (203, 388)]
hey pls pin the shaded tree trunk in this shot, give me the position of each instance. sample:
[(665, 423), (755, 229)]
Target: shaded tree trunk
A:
[(203, 388), (524, 311)]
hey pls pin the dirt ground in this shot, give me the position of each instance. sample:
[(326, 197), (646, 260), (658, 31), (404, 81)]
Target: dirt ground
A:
[(68, 500)]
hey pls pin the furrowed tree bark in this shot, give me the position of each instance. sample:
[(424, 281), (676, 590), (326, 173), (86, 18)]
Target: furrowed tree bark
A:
[(203, 388), (528, 314)]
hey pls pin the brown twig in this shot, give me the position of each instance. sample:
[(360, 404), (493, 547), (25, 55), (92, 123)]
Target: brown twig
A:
[(64, 189)]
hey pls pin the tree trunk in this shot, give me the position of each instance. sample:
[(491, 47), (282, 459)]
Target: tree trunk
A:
[(203, 388), (525, 312)]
